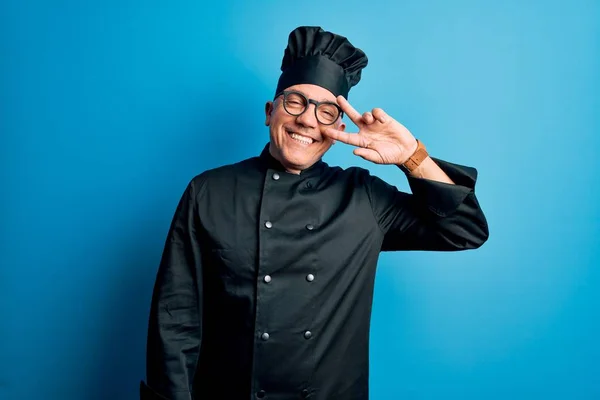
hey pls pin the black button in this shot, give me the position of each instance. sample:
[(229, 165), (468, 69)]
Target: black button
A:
[(260, 394), (308, 185), (305, 393)]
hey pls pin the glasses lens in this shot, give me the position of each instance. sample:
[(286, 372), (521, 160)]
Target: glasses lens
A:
[(327, 113), (294, 103)]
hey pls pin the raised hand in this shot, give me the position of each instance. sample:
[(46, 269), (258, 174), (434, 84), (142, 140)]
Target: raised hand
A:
[(380, 138)]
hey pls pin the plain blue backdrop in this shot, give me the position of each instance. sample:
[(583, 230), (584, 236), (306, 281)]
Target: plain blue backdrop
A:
[(108, 108)]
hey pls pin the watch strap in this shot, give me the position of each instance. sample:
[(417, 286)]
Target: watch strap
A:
[(415, 160)]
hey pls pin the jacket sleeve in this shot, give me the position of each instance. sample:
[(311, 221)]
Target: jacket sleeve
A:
[(175, 323), (436, 216)]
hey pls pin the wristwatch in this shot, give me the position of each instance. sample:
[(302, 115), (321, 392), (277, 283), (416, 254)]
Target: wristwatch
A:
[(415, 160)]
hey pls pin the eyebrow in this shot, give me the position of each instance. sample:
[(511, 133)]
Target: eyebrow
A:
[(322, 99)]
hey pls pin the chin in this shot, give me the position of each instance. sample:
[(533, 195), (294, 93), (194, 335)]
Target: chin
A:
[(300, 161)]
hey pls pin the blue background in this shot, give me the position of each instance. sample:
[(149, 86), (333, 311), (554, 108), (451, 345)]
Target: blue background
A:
[(108, 108)]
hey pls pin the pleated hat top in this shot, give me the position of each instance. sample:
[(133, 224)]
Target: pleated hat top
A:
[(315, 56)]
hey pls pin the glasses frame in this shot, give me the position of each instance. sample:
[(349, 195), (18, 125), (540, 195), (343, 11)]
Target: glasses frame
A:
[(308, 102)]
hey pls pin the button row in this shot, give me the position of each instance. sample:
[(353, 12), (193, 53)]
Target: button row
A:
[(266, 336), (269, 225), (276, 177), (309, 278)]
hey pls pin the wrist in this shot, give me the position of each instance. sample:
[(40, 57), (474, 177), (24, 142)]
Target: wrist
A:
[(418, 155), (413, 149), (420, 171)]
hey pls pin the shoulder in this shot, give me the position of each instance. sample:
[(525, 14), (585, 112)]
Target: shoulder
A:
[(228, 170), (221, 175)]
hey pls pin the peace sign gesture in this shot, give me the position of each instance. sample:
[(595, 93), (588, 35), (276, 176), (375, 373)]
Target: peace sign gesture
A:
[(380, 138)]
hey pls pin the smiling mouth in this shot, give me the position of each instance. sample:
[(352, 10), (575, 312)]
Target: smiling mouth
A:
[(305, 140)]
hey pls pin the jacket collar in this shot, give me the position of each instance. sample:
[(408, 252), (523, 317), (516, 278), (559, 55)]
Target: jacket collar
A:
[(270, 162)]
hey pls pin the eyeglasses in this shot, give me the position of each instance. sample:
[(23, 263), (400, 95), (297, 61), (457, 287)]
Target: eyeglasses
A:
[(296, 103)]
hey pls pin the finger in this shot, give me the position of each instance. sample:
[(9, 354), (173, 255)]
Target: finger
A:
[(380, 115), (368, 118), (344, 137), (349, 110), (368, 154)]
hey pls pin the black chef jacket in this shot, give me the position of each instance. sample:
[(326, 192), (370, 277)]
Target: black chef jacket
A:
[(266, 282)]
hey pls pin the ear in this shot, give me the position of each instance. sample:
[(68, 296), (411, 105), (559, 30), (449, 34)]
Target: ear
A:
[(268, 112)]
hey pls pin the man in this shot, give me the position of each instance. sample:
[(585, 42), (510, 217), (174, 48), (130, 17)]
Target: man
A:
[(265, 286)]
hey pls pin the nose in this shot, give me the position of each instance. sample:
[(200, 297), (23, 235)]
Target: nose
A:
[(308, 118)]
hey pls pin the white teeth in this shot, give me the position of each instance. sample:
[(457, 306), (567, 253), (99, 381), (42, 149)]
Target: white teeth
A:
[(300, 138)]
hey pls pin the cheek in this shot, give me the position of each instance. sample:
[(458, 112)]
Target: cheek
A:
[(327, 141), (274, 121), (277, 120)]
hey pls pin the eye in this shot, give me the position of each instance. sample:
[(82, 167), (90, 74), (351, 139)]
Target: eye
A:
[(328, 111), (294, 100)]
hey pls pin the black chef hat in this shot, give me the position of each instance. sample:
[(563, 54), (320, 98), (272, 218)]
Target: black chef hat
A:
[(321, 58)]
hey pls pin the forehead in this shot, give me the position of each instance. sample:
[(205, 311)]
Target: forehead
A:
[(314, 92)]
